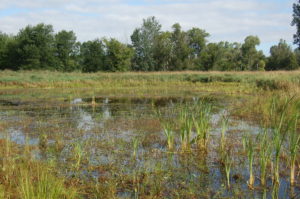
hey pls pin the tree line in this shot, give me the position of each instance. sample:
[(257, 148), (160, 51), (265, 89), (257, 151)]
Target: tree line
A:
[(151, 49)]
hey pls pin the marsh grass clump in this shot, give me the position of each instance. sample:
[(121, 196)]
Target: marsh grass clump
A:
[(294, 141), (169, 133), (202, 124), (227, 159), (46, 186), (280, 125), (225, 151), (249, 147), (78, 155), (224, 128), (265, 152), (135, 146), (43, 142), (23, 177), (186, 126), (8, 160)]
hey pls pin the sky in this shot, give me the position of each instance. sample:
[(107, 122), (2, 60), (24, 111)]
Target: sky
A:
[(225, 20)]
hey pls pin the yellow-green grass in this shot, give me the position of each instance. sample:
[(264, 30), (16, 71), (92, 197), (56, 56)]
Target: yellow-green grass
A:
[(50, 79), (52, 85)]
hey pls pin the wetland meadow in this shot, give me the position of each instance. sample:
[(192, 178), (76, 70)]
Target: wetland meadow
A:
[(176, 135)]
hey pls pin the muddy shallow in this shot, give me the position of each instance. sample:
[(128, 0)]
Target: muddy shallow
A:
[(102, 130)]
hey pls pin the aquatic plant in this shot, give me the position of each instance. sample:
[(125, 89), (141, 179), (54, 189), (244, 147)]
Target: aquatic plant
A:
[(43, 141), (135, 145), (265, 151), (93, 103), (227, 164), (186, 125), (223, 133), (279, 127), (78, 154), (43, 185), (169, 133), (294, 141), (8, 160), (275, 191), (249, 148), (202, 124)]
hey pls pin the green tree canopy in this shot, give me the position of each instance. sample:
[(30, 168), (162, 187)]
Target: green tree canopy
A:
[(282, 57), (118, 56), (34, 49), (143, 40), (163, 49), (296, 22), (66, 50), (251, 56), (5, 41), (93, 56), (181, 48), (197, 41)]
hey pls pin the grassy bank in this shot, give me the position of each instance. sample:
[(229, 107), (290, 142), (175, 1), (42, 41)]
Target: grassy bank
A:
[(27, 85), (47, 79)]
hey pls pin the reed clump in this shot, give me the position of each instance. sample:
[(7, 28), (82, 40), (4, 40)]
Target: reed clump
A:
[(249, 147), (202, 124), (265, 152), (294, 141)]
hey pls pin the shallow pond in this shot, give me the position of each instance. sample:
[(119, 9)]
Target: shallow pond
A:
[(101, 140)]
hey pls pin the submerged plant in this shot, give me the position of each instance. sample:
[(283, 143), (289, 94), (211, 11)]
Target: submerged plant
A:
[(249, 148)]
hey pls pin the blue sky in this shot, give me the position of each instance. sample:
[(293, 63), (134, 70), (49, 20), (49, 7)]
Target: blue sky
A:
[(230, 20)]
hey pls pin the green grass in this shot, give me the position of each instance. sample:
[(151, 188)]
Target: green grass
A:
[(48, 79)]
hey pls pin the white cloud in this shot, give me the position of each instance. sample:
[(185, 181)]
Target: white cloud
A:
[(230, 20)]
